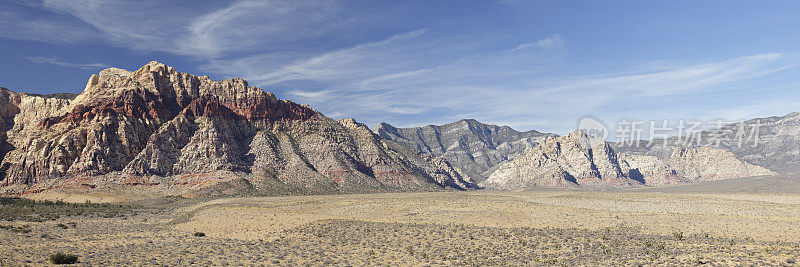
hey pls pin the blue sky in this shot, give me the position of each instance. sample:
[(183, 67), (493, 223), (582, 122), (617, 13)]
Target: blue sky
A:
[(528, 64)]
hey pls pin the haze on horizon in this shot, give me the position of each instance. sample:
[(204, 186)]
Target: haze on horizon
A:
[(528, 64)]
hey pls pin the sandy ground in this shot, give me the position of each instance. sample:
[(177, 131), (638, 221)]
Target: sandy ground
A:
[(764, 217), (670, 225)]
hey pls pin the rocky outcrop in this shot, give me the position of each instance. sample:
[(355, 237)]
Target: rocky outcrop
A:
[(577, 160), (158, 127), (772, 142), (570, 161), (708, 163), (476, 149)]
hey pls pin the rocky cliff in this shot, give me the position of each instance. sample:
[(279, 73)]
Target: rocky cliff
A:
[(178, 132), (577, 160), (474, 148)]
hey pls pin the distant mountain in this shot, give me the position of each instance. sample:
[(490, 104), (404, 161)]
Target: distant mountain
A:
[(577, 160), (475, 148), (774, 143), (159, 130)]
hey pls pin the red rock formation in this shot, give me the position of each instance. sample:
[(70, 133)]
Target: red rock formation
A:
[(158, 122), (132, 103), (258, 109)]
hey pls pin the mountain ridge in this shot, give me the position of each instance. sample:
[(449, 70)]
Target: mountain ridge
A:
[(473, 147), (777, 147), (578, 160), (184, 134)]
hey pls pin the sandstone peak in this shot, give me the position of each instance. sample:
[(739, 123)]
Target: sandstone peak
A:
[(115, 71), (155, 66)]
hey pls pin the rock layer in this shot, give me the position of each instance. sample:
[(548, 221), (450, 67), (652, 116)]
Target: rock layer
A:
[(158, 127)]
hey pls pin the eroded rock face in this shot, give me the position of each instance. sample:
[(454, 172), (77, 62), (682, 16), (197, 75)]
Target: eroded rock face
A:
[(772, 142), (158, 127), (476, 149), (708, 163), (569, 161), (577, 160)]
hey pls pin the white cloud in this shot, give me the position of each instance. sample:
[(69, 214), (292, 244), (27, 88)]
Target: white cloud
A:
[(409, 74), (311, 96), (52, 29), (417, 76), (205, 31), (693, 78), (56, 61), (364, 61), (412, 77), (246, 24), (549, 42), (141, 25)]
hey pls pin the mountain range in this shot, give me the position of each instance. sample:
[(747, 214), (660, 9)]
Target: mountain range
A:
[(772, 142), (175, 132), (159, 131), (577, 160)]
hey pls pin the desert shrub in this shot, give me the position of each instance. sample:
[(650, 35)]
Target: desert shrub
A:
[(14, 208), (678, 235), (199, 234), (17, 229), (62, 258)]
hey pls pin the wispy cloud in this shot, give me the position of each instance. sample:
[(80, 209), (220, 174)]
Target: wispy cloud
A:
[(396, 79), (211, 31), (365, 61), (549, 42), (408, 74), (129, 24), (56, 61), (311, 96), (246, 24), (762, 108), (330, 54), (682, 79), (57, 28)]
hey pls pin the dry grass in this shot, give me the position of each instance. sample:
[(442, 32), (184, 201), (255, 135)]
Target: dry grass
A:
[(12, 209), (762, 217), (545, 227)]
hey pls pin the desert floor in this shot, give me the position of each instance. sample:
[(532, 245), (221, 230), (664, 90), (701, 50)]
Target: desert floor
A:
[(732, 222)]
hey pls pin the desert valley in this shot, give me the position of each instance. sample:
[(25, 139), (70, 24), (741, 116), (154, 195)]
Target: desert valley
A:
[(399, 133), (159, 167)]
